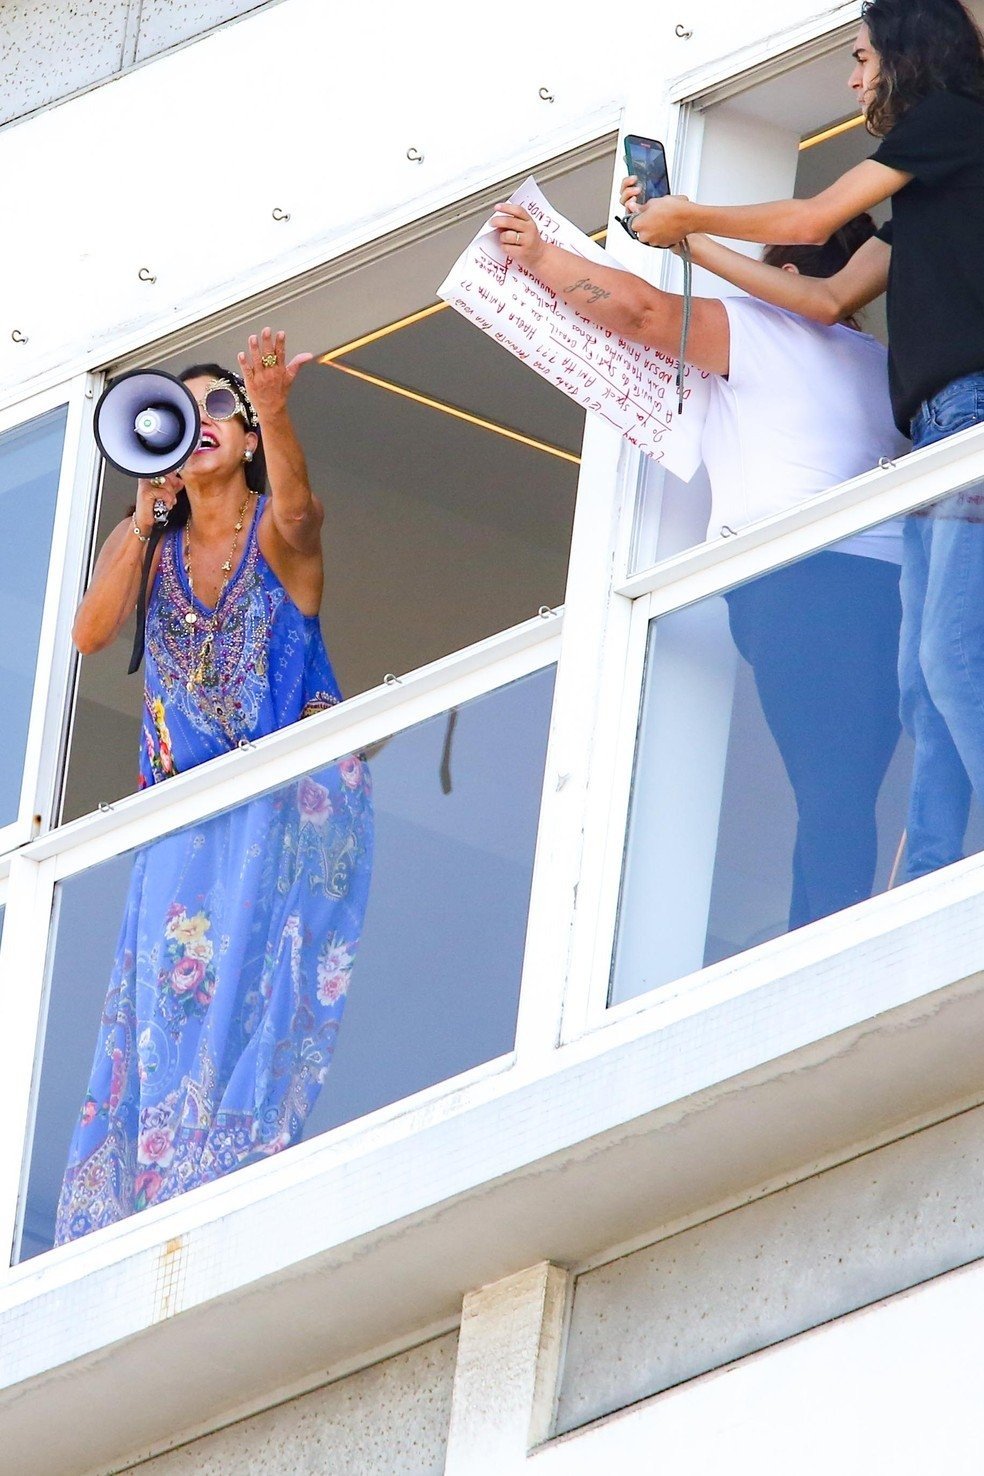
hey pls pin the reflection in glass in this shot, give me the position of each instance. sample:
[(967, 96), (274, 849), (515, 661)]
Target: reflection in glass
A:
[(770, 787), (436, 982), (30, 462)]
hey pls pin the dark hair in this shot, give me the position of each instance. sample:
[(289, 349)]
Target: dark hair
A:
[(925, 46), (255, 469), (825, 260)]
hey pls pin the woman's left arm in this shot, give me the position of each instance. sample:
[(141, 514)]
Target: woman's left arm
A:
[(291, 533)]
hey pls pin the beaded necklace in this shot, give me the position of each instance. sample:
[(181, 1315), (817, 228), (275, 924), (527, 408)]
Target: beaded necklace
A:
[(197, 668)]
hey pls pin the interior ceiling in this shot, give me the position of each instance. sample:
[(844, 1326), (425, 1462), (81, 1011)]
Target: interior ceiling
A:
[(810, 96), (805, 99)]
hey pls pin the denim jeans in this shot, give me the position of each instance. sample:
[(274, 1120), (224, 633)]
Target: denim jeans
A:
[(820, 637), (941, 648)]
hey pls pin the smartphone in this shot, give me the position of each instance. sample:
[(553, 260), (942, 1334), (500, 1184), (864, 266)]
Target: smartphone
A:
[(646, 159)]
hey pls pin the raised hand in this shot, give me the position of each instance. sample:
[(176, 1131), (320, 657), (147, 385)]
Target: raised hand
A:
[(267, 372)]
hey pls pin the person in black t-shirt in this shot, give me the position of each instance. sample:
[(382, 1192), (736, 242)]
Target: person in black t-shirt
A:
[(919, 80)]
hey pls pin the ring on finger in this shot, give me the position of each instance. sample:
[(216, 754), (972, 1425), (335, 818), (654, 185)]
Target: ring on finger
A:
[(268, 360)]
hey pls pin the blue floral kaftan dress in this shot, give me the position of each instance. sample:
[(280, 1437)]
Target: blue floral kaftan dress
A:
[(239, 933)]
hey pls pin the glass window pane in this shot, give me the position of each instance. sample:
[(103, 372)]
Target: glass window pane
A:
[(773, 783), (448, 472), (228, 951), (30, 463)]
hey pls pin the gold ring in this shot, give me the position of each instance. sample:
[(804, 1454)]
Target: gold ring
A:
[(268, 360)]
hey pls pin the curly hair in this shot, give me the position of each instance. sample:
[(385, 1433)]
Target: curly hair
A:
[(925, 46)]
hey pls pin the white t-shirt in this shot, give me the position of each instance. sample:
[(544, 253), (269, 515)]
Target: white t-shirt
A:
[(803, 407)]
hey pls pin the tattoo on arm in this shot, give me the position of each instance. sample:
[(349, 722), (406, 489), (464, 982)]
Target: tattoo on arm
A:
[(585, 284)]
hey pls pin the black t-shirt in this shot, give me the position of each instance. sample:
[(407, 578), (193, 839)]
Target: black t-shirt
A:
[(936, 278)]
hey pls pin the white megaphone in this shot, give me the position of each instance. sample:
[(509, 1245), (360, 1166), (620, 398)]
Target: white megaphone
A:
[(147, 423)]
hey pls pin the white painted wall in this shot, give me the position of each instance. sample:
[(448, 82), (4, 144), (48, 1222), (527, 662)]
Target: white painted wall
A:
[(320, 105), (176, 167), (893, 1388)]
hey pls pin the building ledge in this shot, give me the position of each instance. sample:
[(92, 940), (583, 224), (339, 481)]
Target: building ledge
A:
[(144, 1332)]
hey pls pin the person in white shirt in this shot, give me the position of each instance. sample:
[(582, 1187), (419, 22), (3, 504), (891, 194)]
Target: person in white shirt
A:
[(796, 407)]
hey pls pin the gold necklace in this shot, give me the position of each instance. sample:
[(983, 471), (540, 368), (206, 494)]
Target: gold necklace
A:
[(197, 668)]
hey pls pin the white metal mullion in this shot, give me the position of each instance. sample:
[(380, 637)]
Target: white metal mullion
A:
[(237, 777), (22, 972), (606, 817), (606, 466), (599, 682), (12, 835), (55, 662), (24, 410), (853, 507)]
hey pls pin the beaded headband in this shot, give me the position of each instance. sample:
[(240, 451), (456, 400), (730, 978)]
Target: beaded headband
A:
[(239, 390)]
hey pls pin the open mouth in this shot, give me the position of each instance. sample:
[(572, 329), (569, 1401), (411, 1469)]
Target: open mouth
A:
[(206, 442)]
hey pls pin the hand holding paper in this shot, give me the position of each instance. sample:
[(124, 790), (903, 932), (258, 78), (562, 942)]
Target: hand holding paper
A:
[(628, 383)]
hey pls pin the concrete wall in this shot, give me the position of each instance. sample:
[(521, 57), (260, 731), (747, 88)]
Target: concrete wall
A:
[(838, 1241), (49, 50), (392, 1418)]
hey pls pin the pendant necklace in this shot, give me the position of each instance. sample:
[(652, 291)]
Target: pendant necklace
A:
[(197, 667)]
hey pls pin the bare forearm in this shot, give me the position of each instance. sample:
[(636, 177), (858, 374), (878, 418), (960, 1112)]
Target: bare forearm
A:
[(779, 222), (613, 299), (112, 594), (290, 489), (811, 297), (824, 299), (810, 222)]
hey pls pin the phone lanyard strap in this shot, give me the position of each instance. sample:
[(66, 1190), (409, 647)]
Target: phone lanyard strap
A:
[(688, 298)]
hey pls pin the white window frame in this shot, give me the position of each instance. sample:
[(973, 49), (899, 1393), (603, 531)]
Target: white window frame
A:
[(224, 782), (599, 648), (888, 491), (63, 851), (55, 661), (708, 568)]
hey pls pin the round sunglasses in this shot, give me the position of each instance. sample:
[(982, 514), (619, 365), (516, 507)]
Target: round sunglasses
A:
[(220, 402)]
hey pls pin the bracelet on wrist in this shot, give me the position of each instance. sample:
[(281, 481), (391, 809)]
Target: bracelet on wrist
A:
[(144, 537)]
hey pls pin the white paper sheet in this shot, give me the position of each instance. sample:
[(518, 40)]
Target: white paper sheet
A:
[(630, 385)]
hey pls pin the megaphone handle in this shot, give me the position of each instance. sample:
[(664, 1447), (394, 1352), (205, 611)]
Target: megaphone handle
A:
[(136, 655)]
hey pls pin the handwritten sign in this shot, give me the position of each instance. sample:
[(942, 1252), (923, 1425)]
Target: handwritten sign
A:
[(630, 385)]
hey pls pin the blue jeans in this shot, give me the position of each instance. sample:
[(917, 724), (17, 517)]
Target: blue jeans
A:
[(941, 648), (821, 636)]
